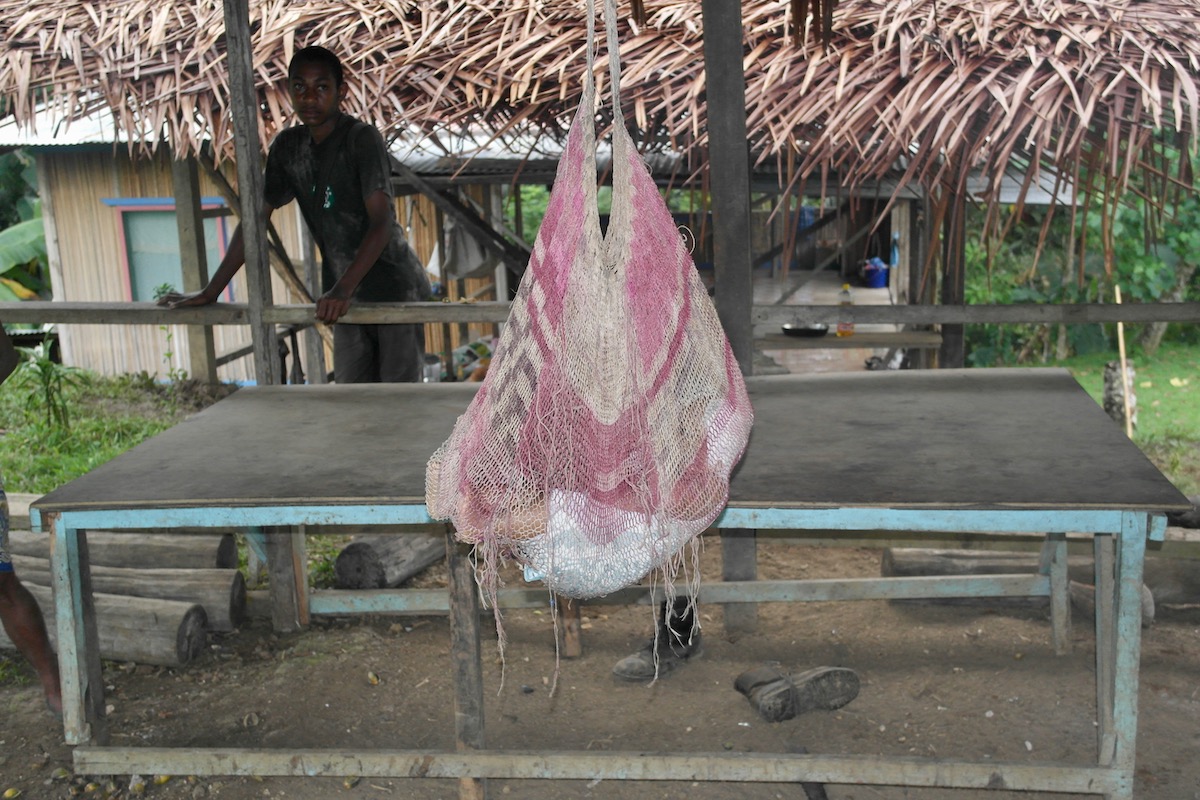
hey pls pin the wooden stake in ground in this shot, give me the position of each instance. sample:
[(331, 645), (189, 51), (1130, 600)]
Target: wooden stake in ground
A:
[(1124, 369)]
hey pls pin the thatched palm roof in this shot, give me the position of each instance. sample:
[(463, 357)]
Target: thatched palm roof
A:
[(929, 85)]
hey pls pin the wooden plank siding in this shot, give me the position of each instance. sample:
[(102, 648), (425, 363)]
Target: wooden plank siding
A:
[(89, 257), (93, 266)]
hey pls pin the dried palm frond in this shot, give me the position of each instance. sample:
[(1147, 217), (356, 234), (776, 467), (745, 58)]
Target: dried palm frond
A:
[(922, 87)]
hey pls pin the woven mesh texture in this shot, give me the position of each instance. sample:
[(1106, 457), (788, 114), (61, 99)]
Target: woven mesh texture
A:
[(602, 439)]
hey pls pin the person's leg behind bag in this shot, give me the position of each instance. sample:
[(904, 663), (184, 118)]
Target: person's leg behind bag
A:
[(355, 354), (401, 353)]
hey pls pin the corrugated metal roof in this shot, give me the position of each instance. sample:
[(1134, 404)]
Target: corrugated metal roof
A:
[(49, 129)]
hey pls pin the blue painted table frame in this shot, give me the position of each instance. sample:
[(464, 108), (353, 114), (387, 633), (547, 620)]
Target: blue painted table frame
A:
[(1119, 544)]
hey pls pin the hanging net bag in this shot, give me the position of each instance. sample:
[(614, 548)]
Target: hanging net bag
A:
[(601, 441)]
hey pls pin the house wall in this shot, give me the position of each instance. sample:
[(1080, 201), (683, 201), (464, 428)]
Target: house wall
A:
[(88, 247)]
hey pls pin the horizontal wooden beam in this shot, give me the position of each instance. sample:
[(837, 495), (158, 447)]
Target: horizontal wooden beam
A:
[(72, 313), (587, 765), (919, 339), (384, 313), (80, 313), (87, 313), (437, 601), (1023, 313)]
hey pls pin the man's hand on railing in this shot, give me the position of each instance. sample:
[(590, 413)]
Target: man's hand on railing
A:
[(181, 300)]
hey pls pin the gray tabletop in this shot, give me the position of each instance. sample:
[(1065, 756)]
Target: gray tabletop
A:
[(1020, 438)]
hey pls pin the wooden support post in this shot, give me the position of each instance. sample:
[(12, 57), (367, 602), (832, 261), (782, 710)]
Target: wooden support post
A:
[(729, 173), (314, 343), (185, 177), (570, 618), (918, 251), (288, 578), (1054, 564), (1106, 644), (729, 177), (1130, 559), (952, 354), (739, 562), (466, 662), (248, 149), (78, 642)]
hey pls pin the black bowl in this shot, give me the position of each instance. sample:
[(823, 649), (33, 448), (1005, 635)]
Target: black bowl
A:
[(815, 329)]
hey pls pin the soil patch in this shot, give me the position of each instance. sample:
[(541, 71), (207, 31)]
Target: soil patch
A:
[(937, 680)]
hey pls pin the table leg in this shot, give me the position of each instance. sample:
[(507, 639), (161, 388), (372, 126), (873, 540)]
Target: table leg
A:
[(256, 556), (1129, 566), (570, 617), (739, 562), (78, 643), (466, 660), (288, 575), (1102, 549), (1054, 563)]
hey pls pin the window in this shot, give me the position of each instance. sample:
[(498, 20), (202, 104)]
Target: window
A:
[(150, 242)]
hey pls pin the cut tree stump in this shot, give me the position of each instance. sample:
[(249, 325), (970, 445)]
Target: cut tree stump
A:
[(384, 561), (222, 592), (167, 633), (175, 550)]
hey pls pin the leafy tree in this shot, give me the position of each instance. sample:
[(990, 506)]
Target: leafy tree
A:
[(23, 265), (1155, 253)]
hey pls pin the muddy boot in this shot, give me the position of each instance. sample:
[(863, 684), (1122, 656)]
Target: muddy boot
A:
[(777, 696), (676, 641)]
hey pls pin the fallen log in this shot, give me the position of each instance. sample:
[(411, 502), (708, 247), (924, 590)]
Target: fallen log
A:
[(1170, 580), (384, 561), (222, 592), (167, 633), (1189, 518), (141, 550), (1083, 600)]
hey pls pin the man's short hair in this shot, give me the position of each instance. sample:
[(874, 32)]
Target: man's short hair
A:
[(317, 55)]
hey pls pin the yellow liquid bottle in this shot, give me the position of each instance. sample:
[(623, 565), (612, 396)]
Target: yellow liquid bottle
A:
[(845, 327)]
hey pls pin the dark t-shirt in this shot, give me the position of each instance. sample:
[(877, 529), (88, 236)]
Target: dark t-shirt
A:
[(331, 181)]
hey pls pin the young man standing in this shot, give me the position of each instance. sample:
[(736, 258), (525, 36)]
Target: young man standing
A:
[(336, 168)]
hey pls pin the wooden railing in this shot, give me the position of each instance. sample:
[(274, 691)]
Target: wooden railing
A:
[(72, 313), (763, 316)]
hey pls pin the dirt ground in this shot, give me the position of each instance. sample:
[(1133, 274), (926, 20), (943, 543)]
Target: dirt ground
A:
[(937, 680)]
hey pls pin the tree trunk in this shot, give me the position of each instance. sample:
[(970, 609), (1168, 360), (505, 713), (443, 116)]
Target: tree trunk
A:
[(221, 592), (141, 550), (168, 633), (1152, 335), (384, 561)]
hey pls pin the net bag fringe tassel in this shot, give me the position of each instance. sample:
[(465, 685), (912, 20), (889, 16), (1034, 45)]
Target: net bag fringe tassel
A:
[(602, 439)]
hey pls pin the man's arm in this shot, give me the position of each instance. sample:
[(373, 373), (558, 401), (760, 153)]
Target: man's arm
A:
[(235, 257), (380, 216)]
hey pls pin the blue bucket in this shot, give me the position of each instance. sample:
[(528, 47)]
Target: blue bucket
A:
[(875, 274)]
